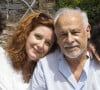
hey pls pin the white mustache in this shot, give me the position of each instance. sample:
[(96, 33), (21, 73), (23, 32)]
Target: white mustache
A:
[(66, 45)]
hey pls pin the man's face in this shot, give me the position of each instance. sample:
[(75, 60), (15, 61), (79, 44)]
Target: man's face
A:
[(71, 35)]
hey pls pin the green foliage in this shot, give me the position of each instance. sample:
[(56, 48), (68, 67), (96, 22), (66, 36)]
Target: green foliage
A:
[(66, 3), (92, 7)]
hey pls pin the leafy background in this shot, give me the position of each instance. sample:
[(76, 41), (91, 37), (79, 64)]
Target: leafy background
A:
[(92, 7)]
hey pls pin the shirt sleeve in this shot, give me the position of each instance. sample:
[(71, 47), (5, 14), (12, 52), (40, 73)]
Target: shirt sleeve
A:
[(38, 80)]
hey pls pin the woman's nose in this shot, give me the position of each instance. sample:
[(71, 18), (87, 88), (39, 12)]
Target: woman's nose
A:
[(41, 45)]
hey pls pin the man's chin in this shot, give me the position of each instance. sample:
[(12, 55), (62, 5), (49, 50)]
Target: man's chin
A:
[(72, 55)]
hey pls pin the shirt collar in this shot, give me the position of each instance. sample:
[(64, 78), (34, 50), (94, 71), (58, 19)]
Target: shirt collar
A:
[(87, 64), (64, 67)]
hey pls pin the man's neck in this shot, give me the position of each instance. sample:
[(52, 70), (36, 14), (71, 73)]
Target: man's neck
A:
[(76, 65)]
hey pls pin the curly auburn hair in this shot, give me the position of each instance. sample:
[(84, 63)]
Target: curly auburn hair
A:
[(16, 45), (2, 22)]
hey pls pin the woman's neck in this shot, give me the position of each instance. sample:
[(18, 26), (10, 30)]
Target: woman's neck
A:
[(27, 70)]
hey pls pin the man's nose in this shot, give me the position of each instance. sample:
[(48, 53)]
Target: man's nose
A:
[(70, 38)]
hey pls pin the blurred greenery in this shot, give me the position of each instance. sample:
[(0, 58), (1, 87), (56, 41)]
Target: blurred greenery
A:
[(92, 7)]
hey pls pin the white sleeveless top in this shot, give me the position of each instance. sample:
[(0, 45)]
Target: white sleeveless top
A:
[(9, 78)]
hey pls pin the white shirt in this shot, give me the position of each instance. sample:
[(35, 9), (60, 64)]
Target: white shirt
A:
[(53, 73), (9, 78)]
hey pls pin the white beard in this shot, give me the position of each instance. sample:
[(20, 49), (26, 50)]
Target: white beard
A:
[(74, 54)]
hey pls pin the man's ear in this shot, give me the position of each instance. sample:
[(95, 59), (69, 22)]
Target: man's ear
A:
[(88, 31)]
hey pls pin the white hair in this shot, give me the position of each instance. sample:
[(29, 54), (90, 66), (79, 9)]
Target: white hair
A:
[(70, 10)]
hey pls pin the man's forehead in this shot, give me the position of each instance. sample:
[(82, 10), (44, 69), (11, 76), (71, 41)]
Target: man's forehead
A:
[(69, 16), (69, 20)]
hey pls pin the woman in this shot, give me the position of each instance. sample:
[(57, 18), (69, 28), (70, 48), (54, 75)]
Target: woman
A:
[(95, 41), (33, 39)]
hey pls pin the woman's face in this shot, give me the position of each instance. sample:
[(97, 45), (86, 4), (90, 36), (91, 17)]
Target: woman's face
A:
[(39, 42)]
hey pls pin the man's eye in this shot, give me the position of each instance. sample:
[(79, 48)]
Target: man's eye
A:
[(63, 34), (75, 33)]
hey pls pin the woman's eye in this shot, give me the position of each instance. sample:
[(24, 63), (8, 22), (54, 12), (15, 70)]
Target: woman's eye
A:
[(38, 36), (48, 44)]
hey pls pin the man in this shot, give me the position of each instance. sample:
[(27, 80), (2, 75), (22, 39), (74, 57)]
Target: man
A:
[(70, 68)]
